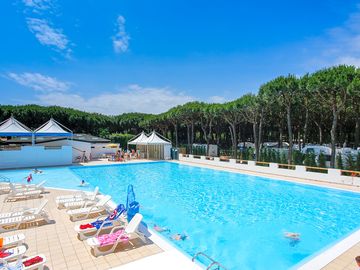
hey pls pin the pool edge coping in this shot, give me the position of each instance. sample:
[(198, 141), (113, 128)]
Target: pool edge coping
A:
[(331, 253)]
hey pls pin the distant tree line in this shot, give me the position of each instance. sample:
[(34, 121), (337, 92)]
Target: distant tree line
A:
[(321, 107)]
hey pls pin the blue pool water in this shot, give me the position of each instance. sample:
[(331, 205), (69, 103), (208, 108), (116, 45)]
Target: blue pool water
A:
[(237, 219)]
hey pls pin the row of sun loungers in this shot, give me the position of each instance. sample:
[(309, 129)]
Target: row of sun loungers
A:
[(104, 233), (19, 191), (12, 247)]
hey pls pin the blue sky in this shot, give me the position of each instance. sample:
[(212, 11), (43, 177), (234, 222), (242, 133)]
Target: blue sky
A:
[(121, 56)]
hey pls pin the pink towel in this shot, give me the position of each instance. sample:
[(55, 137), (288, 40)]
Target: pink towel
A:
[(109, 239)]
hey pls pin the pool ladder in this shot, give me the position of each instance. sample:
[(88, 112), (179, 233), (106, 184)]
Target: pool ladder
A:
[(213, 263)]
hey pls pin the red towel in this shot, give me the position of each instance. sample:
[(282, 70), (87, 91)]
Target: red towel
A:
[(4, 254), (86, 226), (32, 261)]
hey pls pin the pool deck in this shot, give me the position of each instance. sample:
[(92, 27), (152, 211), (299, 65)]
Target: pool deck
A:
[(59, 243)]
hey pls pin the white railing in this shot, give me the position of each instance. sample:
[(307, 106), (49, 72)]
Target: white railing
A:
[(297, 171)]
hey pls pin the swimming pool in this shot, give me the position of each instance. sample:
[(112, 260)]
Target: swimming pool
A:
[(235, 218)]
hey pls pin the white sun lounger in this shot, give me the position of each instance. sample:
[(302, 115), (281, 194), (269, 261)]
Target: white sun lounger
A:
[(16, 252), (105, 225), (13, 240), (19, 263), (8, 187), (85, 212), (19, 211), (17, 195), (29, 187), (78, 201), (78, 196), (13, 223), (80, 204), (131, 230)]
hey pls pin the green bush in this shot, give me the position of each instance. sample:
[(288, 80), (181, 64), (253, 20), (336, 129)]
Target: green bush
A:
[(322, 160), (297, 157), (358, 162), (120, 138), (310, 160), (350, 163), (339, 162), (283, 159)]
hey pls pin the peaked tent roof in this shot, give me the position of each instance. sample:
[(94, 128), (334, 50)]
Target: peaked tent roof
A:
[(139, 139), (53, 128), (156, 139), (12, 127)]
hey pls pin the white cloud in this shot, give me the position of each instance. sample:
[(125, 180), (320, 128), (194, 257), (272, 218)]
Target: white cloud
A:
[(217, 99), (121, 38), (47, 35), (339, 45), (37, 6), (38, 82), (133, 98)]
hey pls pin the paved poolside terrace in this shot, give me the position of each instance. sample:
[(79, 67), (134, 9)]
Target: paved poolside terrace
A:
[(63, 250)]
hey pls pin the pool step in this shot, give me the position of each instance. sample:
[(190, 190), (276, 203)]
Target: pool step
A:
[(214, 265)]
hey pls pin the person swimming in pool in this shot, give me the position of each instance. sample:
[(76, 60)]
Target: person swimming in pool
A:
[(28, 178), (179, 237), (160, 229), (292, 235), (83, 183), (37, 171)]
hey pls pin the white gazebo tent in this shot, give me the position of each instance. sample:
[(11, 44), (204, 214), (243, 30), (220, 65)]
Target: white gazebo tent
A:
[(158, 147), (155, 146), (13, 128), (52, 128), (140, 142)]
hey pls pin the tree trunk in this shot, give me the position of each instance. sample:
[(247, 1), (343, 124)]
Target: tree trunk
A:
[(192, 136), (357, 130), (188, 138), (288, 114), (176, 135), (333, 135), (232, 128), (256, 141), (260, 133), (306, 125), (280, 137)]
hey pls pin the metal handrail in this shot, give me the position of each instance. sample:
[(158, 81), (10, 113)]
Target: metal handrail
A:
[(213, 262)]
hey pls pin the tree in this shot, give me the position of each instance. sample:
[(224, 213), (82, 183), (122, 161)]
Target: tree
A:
[(231, 112), (354, 94), (285, 89), (252, 112), (331, 86)]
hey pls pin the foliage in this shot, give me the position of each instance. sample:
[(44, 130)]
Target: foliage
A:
[(339, 162), (322, 160), (320, 107), (350, 162), (297, 157), (120, 138), (310, 160)]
